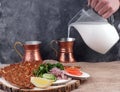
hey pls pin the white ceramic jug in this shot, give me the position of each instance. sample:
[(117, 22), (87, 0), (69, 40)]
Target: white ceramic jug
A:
[(99, 36), (96, 32)]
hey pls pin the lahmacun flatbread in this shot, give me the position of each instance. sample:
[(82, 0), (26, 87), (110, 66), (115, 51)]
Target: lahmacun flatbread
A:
[(19, 74)]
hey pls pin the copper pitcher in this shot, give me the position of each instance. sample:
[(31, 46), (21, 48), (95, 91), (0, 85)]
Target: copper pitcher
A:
[(31, 50), (65, 53)]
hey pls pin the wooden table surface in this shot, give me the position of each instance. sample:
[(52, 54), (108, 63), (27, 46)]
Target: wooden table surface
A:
[(105, 77)]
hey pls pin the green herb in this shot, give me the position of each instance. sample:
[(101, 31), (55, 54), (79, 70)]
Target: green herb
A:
[(60, 66), (45, 68)]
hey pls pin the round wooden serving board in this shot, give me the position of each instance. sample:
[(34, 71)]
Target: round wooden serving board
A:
[(67, 87)]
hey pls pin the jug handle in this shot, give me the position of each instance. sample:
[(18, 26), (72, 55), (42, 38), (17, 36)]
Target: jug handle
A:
[(51, 43), (18, 52), (111, 20)]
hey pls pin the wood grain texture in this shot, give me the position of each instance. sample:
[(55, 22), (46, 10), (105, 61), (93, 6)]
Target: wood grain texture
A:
[(73, 84)]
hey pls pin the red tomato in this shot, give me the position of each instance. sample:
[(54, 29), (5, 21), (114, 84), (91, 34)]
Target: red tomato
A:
[(73, 71)]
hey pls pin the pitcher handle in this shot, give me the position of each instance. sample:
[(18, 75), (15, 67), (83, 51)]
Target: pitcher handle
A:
[(111, 19), (18, 52), (51, 43)]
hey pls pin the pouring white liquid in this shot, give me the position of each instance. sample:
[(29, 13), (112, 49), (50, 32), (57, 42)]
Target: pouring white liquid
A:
[(100, 37)]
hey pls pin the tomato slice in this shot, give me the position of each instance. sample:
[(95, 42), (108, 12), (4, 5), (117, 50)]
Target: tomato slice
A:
[(73, 71)]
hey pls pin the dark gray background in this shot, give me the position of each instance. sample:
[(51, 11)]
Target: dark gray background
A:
[(44, 20)]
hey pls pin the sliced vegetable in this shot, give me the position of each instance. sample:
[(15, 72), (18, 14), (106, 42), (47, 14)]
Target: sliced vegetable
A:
[(49, 76), (74, 71)]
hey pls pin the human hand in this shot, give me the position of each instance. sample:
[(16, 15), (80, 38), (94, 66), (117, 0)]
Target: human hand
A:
[(105, 8)]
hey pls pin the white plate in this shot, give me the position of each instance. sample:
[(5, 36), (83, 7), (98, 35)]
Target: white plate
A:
[(62, 81), (83, 76)]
